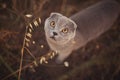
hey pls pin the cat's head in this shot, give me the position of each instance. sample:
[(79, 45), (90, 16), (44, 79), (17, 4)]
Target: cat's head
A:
[(59, 28)]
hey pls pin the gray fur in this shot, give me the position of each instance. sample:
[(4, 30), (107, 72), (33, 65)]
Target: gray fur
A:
[(84, 26)]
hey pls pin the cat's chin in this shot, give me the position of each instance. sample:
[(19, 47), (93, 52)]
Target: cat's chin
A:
[(59, 41), (62, 42), (53, 38)]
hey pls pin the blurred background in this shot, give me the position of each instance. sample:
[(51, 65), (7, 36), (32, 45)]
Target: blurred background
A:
[(98, 60)]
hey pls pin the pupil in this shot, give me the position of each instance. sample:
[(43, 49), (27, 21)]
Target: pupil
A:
[(65, 30), (52, 23)]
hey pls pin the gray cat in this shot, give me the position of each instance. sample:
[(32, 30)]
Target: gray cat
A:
[(67, 34)]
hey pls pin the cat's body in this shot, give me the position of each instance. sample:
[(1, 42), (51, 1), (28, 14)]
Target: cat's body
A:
[(82, 27)]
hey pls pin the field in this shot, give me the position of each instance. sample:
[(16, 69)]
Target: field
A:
[(98, 60)]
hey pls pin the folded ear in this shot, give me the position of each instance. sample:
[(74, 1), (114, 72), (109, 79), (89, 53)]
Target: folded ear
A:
[(53, 14)]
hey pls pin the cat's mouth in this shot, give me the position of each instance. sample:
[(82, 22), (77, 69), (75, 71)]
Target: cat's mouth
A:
[(53, 37)]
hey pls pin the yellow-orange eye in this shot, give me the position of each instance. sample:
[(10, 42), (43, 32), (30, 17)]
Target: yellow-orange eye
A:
[(65, 30), (52, 24)]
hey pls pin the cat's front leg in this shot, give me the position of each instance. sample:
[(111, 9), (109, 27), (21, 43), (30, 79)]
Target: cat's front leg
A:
[(62, 56)]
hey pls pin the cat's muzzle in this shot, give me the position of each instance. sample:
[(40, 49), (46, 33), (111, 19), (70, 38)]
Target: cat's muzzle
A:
[(53, 37)]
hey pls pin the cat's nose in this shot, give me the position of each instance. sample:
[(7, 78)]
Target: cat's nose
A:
[(54, 33)]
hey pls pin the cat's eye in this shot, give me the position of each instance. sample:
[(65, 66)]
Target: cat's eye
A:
[(52, 24), (65, 30)]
